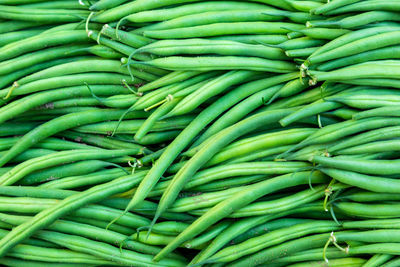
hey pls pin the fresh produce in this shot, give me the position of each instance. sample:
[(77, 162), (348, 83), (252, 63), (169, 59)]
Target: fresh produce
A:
[(199, 133)]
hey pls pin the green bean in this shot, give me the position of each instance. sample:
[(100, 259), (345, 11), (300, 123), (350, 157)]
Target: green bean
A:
[(210, 89), (158, 137), (211, 17), (187, 9), (259, 143), (71, 169), (231, 232), (350, 262), (343, 129), (95, 65), (352, 38), (298, 17), (220, 63), (29, 154), (253, 39), (9, 78), (228, 183), (305, 6), (298, 43), (105, 251), (367, 6), (169, 227), (84, 180), (211, 233), (359, 20), (46, 18), (255, 244), (66, 81), (55, 5), (99, 141), (379, 146), (10, 37), (9, 261), (363, 138), (53, 255), (301, 53), (155, 96), (48, 216), (115, 101), (186, 136), (177, 76), (206, 153), (53, 159), (368, 182), (239, 111), (381, 53), (315, 108), (306, 97), (237, 201), (106, 4), (36, 57), (88, 231), (260, 155), (128, 38), (368, 43), (24, 104), (131, 126), (387, 210), (323, 33), (269, 255), (232, 170), (40, 42), (383, 69), (217, 29), (206, 46), (332, 6), (277, 206), (57, 125), (10, 26), (393, 262), (154, 117), (133, 7)]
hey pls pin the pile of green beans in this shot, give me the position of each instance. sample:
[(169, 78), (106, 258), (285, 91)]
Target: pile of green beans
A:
[(199, 133)]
